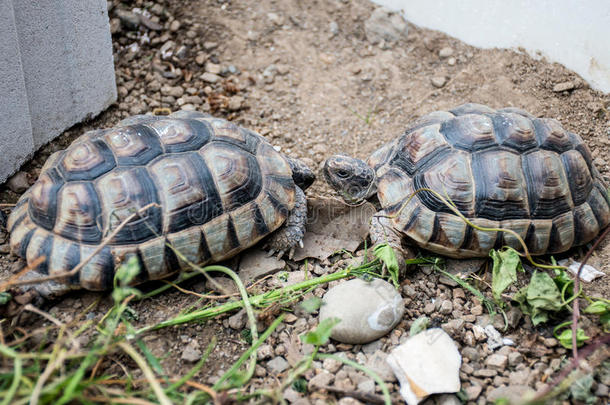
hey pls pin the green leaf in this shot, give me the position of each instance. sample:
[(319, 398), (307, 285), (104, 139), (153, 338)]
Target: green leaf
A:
[(5, 298), (539, 298), (565, 338), (386, 254), (505, 265), (420, 325), (321, 334), (597, 308), (311, 305)]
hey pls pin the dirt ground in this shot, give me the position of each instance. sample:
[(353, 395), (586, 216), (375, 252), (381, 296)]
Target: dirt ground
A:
[(304, 75)]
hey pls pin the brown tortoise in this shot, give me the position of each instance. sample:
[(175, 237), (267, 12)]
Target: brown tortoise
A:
[(502, 168), (218, 189)]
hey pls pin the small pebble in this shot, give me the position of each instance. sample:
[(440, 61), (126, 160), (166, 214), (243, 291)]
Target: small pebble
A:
[(445, 52), (565, 86), (277, 365), (438, 81)]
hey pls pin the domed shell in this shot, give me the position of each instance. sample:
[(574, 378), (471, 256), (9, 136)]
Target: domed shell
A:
[(212, 189), (502, 169)]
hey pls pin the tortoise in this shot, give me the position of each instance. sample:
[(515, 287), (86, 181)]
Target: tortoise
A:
[(213, 189), (501, 168)]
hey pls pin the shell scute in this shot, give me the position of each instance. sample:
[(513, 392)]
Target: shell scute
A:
[(548, 187), (79, 213), (181, 135), (470, 132), (501, 191), (551, 135), (133, 145), (515, 131), (86, 160)]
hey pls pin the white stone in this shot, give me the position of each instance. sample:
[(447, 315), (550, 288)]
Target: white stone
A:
[(427, 363), (367, 310), (588, 272)]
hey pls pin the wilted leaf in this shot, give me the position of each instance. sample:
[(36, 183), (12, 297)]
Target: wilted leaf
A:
[(539, 297), (581, 390), (386, 254), (321, 334), (504, 272), (420, 325)]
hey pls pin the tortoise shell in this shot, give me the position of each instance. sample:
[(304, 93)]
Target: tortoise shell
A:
[(502, 169), (217, 189)]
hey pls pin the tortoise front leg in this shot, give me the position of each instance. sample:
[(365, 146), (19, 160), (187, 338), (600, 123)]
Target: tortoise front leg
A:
[(382, 231), (291, 233)]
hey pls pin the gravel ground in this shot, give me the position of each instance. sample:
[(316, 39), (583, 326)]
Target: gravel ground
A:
[(304, 75)]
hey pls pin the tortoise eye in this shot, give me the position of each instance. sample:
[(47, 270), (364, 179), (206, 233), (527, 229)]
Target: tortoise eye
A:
[(344, 174)]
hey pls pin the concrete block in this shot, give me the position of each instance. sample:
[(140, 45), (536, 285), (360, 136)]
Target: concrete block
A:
[(16, 141), (65, 53)]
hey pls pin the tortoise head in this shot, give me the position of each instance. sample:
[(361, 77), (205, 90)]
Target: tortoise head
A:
[(352, 179)]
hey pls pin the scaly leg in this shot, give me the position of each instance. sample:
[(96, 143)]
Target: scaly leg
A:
[(291, 233), (382, 231)]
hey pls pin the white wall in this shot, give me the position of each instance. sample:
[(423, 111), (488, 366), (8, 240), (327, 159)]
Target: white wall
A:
[(575, 33)]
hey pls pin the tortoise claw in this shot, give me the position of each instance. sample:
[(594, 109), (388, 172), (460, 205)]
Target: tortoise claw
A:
[(270, 252), (301, 244)]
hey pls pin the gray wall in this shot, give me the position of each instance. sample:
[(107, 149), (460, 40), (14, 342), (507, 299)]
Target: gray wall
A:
[(56, 69)]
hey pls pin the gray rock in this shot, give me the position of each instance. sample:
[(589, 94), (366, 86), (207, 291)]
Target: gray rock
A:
[(174, 26), (129, 20), (18, 182), (430, 361), (565, 86), (513, 393), (443, 399), (473, 392), (331, 365), (519, 377), (238, 321), (191, 352), (485, 372), (320, 381), (347, 401), (471, 353), (446, 307), (497, 361), (445, 52), (385, 25), (515, 358), (378, 363), (367, 386), (210, 77), (277, 365), (438, 81), (372, 347), (494, 338), (367, 310), (334, 28)]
